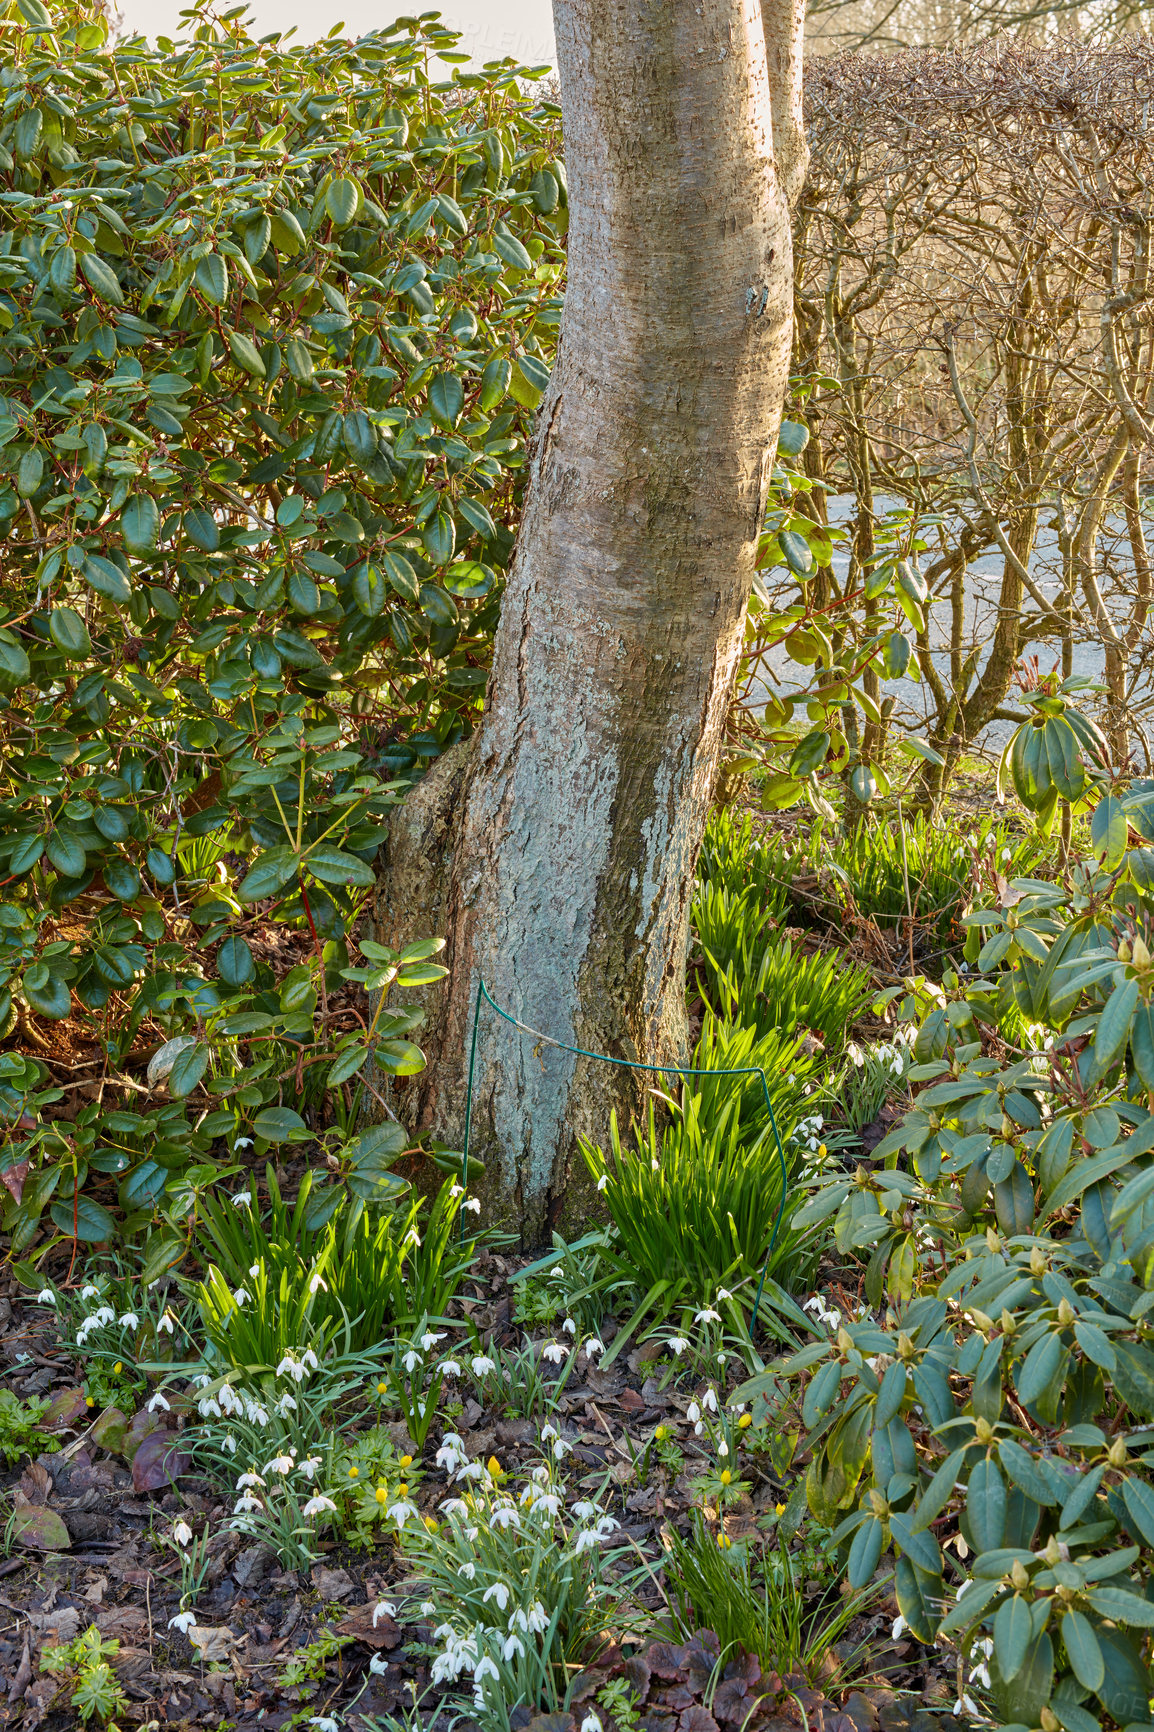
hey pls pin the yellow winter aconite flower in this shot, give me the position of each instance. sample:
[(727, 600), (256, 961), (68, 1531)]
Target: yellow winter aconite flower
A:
[(779, 1509), (354, 1472), (495, 1469), (403, 1489), (382, 1389), (745, 1422), (726, 1476), (723, 1540), (406, 1461), (381, 1494), (432, 1524), (118, 1368), (662, 1433)]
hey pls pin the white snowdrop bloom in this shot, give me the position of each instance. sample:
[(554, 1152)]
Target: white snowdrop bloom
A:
[(158, 1404), (549, 1502), (561, 1449), (401, 1511), (707, 1316), (482, 1365), (324, 1723), (46, 1296), (309, 1466), (607, 1524), (240, 1297), (709, 1400), (655, 1166), (603, 1181), (586, 1540), (444, 1671), (183, 1621), (290, 1367), (316, 1285), (456, 1190), (899, 1628), (677, 1345), (229, 1444), (379, 1666), (309, 1360), (319, 1505), (254, 1270), (980, 1674), (89, 1292), (104, 1315), (1007, 856), (485, 1668), (444, 1633), (554, 1353), (723, 1293), (242, 1143), (255, 1413), (723, 1448), (593, 1346), (471, 1470), (230, 1402), (966, 1705), (473, 1204), (383, 1609), (455, 1506), (548, 1431), (471, 1534), (538, 1622), (244, 1504), (430, 1340), (427, 1608), (499, 1592), (286, 1405), (585, 1511), (505, 1517), (411, 1360), (241, 1200), (208, 1408), (249, 1479), (282, 1464), (693, 1413), (182, 1534), (541, 1474), (569, 1326), (469, 1571), (591, 1723), (130, 1320), (513, 1645), (450, 1368)]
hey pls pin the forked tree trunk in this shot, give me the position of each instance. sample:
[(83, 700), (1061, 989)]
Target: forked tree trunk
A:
[(557, 853)]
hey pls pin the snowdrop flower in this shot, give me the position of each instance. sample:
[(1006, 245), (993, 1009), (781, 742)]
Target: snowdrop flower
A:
[(90, 1292), (606, 1524), (379, 1666), (709, 1400), (585, 1511), (290, 1367), (723, 1448), (471, 1470), (46, 1296), (549, 1502), (594, 1346), (244, 1504), (505, 1517), (427, 1608), (485, 1669), (456, 1190), (324, 1723), (473, 1204), (429, 1341), (591, 1723), (586, 1540), (450, 1452), (129, 1320), (569, 1326), (182, 1533), (240, 1297), (693, 1413), (249, 1479), (707, 1316), (677, 1345), (183, 1621), (229, 1444), (469, 1571), (105, 1315), (400, 1512), (603, 1181), (538, 1622), (513, 1645), (561, 1449), (723, 1293), (554, 1353), (316, 1506), (286, 1405), (384, 1609), (455, 1506), (316, 1285), (241, 1200), (450, 1368), (411, 1360), (158, 1403), (966, 1705), (899, 1628), (482, 1365), (282, 1464), (309, 1466), (309, 1359), (254, 1270), (498, 1592), (548, 1431), (208, 1408)]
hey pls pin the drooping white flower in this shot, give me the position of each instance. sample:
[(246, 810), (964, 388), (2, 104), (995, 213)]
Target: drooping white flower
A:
[(309, 1466), (165, 1324), (183, 1621), (229, 1444), (499, 1592), (677, 1345), (591, 1723), (561, 1449), (513, 1645), (158, 1404), (469, 1571), (90, 1292), (247, 1480), (482, 1365), (241, 1200), (585, 1511), (245, 1504), (707, 1316), (709, 1399), (594, 1346), (182, 1533), (431, 1338), (569, 1326), (130, 1320), (505, 1517), (538, 1621), (554, 1352), (240, 1297), (282, 1464), (286, 1405), (899, 1628), (473, 1204), (485, 1668), (401, 1511), (603, 1181), (46, 1296), (319, 1505), (324, 1723), (723, 1293), (379, 1666), (411, 1360), (254, 1270), (450, 1368), (383, 1609)]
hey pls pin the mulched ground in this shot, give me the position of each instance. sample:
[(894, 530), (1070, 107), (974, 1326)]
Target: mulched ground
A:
[(250, 1670)]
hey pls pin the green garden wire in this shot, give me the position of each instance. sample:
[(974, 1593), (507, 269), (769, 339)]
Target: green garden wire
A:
[(483, 995)]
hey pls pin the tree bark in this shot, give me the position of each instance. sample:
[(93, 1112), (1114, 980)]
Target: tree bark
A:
[(557, 854)]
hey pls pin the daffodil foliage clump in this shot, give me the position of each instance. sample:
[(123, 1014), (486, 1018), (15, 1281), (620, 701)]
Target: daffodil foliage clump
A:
[(273, 322)]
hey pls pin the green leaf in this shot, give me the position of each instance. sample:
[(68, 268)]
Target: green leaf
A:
[(1042, 1364), (212, 278), (1083, 1650), (1113, 1029), (986, 1506), (66, 854), (865, 1553), (106, 579), (245, 353), (280, 1125), (1013, 1628), (140, 523), (190, 1065), (509, 248), (101, 279), (495, 381), (809, 754), (30, 473), (1122, 1607), (83, 1219), (446, 399), (69, 633), (162, 1252), (334, 866), (1109, 828), (269, 873), (342, 199)]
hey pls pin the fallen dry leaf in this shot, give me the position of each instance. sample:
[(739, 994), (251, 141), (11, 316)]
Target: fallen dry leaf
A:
[(213, 1643)]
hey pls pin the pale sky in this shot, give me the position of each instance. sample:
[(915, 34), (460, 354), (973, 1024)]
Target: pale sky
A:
[(490, 28)]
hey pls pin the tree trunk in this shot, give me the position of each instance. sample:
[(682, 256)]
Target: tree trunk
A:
[(557, 853)]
